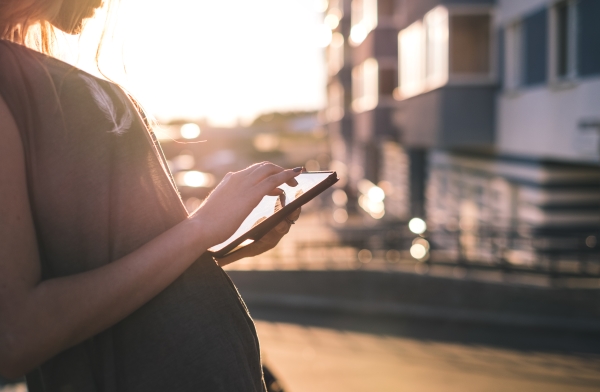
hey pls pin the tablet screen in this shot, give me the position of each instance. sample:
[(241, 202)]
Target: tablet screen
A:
[(271, 204)]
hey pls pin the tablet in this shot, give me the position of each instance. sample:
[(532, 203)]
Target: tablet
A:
[(273, 209)]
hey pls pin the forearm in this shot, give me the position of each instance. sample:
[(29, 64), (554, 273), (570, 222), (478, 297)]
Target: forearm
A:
[(59, 313)]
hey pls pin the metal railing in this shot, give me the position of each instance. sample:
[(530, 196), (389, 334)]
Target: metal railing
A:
[(550, 256)]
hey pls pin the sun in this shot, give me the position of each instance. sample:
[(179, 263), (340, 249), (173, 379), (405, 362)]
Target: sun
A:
[(227, 61)]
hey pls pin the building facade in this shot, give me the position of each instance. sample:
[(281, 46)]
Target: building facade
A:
[(493, 117)]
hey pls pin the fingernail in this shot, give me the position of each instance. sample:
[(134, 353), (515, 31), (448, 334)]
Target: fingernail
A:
[(297, 169)]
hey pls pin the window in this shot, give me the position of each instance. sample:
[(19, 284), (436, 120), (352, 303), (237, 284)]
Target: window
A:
[(588, 37), (535, 48), (512, 59), (365, 86), (470, 44), (526, 51), (563, 40), (436, 47), (335, 108), (444, 45), (336, 53), (387, 81), (364, 19), (411, 53)]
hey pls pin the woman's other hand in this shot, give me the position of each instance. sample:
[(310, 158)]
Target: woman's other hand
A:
[(266, 243), (235, 197)]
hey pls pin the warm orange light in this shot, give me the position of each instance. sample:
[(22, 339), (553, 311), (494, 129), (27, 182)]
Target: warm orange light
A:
[(223, 61)]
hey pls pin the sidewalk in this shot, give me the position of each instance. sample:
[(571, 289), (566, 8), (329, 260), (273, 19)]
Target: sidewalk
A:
[(317, 359)]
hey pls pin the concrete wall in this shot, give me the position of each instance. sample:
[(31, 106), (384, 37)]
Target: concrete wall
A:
[(380, 43), (547, 122), (412, 10), (509, 10), (449, 117), (421, 296)]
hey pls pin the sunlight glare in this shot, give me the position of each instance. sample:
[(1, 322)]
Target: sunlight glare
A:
[(332, 21), (323, 35), (223, 61), (358, 34), (190, 131), (195, 179)]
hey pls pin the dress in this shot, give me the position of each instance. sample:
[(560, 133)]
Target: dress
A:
[(99, 189)]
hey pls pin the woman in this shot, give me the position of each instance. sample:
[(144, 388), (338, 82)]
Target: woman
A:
[(104, 280)]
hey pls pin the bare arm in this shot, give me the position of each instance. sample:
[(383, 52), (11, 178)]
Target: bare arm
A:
[(39, 319)]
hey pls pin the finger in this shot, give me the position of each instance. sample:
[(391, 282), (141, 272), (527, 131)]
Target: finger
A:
[(252, 167), (269, 240), (293, 182), (274, 180), (264, 170), (282, 227), (295, 215)]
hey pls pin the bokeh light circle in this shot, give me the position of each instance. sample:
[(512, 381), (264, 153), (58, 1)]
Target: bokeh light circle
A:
[(417, 225), (418, 251)]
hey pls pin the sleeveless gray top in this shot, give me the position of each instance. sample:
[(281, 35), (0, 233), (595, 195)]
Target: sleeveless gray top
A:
[(99, 189)]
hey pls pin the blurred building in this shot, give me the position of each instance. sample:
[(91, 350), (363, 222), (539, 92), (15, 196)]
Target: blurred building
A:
[(484, 114), (199, 155), (363, 74)]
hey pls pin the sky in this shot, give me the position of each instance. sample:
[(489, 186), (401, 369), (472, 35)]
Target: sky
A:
[(225, 60)]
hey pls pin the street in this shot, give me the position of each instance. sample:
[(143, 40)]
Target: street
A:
[(317, 352), (328, 352)]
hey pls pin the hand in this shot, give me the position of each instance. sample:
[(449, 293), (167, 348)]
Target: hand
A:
[(224, 210), (267, 242)]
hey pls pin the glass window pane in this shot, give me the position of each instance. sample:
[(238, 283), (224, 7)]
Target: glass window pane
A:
[(513, 56), (411, 61), (436, 42), (387, 81), (562, 39), (365, 85), (470, 44), (535, 50), (588, 15)]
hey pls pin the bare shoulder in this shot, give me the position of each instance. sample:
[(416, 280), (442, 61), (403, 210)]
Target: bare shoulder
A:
[(19, 258)]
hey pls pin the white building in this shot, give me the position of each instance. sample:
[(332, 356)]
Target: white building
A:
[(501, 101)]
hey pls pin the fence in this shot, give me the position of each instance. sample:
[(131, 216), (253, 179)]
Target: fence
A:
[(550, 256)]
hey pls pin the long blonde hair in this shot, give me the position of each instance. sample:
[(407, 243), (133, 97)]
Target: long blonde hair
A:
[(22, 21)]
